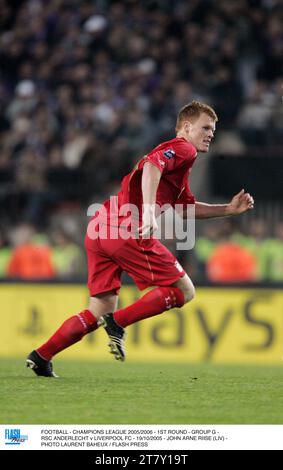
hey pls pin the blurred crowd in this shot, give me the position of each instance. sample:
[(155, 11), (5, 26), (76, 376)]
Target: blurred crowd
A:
[(223, 253), (26, 253), (88, 86)]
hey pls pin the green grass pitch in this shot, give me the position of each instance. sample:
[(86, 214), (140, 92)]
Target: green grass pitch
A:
[(133, 393)]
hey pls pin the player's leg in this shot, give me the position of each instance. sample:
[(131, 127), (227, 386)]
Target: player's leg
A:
[(153, 303), (156, 301), (152, 264), (186, 286), (71, 331), (103, 283), (116, 333)]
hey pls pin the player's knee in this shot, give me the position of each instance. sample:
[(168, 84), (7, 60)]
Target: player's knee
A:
[(186, 286), (91, 309), (189, 293)]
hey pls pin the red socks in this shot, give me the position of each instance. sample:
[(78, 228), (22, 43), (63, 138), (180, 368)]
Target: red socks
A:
[(153, 303), (70, 332), (75, 328)]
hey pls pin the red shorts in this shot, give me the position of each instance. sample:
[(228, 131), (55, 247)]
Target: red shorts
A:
[(148, 262)]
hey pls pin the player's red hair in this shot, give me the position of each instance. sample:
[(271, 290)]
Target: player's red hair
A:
[(192, 111)]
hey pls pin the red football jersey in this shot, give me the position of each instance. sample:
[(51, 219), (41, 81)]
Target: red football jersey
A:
[(174, 159)]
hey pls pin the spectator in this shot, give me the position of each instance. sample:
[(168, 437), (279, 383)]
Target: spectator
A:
[(5, 255), (67, 256), (29, 261), (272, 256), (231, 263)]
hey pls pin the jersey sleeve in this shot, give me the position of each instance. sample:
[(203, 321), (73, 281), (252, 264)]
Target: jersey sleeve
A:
[(170, 156), (164, 158), (158, 159)]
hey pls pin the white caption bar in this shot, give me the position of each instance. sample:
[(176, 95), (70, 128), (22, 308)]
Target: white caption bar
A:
[(141, 437)]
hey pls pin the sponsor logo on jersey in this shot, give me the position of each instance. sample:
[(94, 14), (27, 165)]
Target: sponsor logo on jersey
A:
[(169, 153)]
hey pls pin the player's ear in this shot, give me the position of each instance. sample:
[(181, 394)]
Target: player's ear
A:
[(187, 126)]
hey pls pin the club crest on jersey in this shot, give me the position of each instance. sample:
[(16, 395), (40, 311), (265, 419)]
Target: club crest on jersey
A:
[(169, 153)]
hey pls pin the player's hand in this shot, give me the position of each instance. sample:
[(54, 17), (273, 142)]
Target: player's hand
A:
[(240, 203), (149, 225)]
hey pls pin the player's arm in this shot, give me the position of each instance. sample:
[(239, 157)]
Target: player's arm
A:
[(150, 180), (240, 203)]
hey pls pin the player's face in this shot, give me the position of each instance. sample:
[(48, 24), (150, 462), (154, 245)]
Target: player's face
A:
[(201, 132)]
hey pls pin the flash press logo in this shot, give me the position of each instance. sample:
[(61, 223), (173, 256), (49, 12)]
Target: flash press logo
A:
[(14, 437)]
